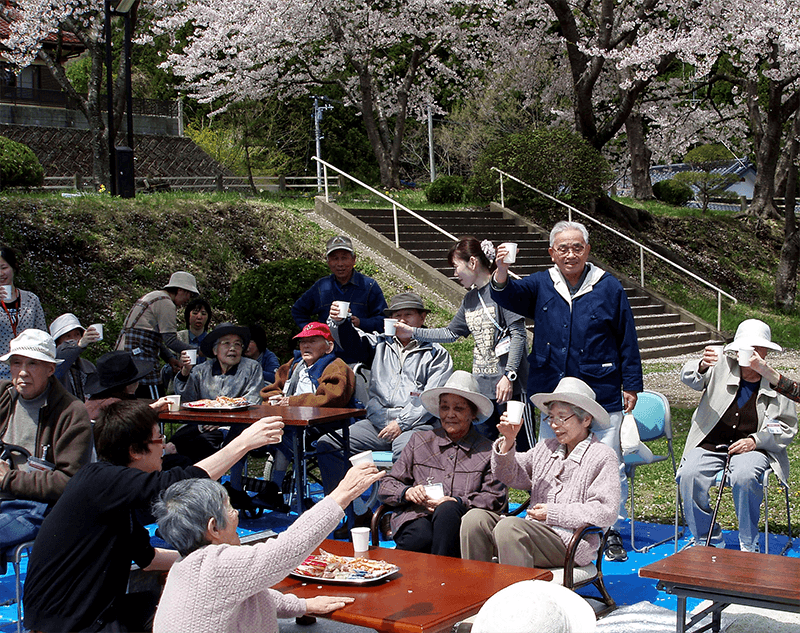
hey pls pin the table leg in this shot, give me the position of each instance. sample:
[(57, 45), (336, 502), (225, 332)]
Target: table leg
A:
[(681, 628), (299, 480), (716, 619)]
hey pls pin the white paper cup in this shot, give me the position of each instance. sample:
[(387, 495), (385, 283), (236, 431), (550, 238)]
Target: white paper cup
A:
[(7, 290), (514, 411), (745, 354), (717, 349), (434, 491), (344, 308), (192, 356), (360, 536), (174, 403), (511, 256), (362, 458), (274, 400), (389, 326), (99, 328)]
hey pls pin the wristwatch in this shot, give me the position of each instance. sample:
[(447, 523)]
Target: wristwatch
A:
[(511, 375)]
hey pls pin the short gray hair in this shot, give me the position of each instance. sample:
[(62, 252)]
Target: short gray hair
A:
[(582, 414), (564, 225), (183, 511)]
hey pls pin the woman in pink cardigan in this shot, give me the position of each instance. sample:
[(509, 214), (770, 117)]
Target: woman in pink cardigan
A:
[(573, 479), (221, 587)]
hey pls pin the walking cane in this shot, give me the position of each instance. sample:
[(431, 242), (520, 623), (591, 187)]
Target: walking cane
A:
[(719, 494)]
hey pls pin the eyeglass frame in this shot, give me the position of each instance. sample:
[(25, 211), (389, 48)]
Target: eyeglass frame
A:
[(560, 422), (564, 249)]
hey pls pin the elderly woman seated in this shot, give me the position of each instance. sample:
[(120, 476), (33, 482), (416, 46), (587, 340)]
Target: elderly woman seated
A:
[(443, 473), (218, 586), (226, 374), (573, 479), (742, 421)]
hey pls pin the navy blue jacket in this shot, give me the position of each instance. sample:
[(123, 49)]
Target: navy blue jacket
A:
[(592, 338)]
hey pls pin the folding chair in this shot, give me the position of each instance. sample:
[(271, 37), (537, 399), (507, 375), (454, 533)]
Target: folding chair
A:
[(765, 486), (653, 420), (15, 554)]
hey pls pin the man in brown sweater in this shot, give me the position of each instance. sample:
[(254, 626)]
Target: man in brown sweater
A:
[(38, 415)]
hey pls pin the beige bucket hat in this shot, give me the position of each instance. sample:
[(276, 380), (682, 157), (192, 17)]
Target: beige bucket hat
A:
[(574, 391)]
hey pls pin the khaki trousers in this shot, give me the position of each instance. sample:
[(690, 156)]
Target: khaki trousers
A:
[(515, 541)]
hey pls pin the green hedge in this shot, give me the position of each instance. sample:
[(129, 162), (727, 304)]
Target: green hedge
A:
[(265, 295), (19, 166)]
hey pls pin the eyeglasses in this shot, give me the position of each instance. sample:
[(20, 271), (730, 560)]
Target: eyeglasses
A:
[(159, 440), (577, 249), (557, 420)]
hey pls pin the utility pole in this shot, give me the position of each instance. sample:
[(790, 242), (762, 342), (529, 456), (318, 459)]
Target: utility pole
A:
[(430, 144), (318, 111)]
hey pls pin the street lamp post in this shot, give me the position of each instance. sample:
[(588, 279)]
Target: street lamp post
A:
[(121, 171)]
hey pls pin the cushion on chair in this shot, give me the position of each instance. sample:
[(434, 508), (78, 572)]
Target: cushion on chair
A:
[(579, 574)]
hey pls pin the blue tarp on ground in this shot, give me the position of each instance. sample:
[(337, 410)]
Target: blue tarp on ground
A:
[(622, 579)]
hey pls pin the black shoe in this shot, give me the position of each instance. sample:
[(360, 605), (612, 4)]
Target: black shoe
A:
[(363, 520), (272, 497), (614, 548), (242, 502), (342, 533)]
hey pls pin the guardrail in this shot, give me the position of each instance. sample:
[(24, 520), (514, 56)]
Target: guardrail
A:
[(642, 247), (195, 183), (395, 205)]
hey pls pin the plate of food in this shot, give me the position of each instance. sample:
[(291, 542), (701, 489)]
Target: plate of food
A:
[(220, 403), (329, 568)]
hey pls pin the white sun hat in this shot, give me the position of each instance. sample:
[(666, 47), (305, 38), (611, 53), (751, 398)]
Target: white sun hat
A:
[(460, 383), (752, 333), (574, 391), (64, 324), (33, 343), (535, 606)]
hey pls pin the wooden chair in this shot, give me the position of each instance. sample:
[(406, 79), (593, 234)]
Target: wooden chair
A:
[(569, 575)]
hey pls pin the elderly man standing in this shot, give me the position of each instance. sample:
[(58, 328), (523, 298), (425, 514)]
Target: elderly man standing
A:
[(151, 328), (740, 419), (37, 414), (583, 328), (344, 284)]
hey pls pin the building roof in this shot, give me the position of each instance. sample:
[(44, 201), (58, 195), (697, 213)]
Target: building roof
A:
[(69, 42)]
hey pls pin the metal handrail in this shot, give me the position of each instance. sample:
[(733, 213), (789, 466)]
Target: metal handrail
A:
[(395, 205), (642, 247)]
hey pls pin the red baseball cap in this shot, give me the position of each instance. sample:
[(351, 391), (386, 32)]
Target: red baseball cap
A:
[(316, 329)]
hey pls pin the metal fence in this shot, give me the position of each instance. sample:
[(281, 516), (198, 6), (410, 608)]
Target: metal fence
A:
[(197, 183), (19, 95)]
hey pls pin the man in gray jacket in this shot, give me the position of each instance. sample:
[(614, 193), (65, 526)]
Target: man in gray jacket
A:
[(402, 368)]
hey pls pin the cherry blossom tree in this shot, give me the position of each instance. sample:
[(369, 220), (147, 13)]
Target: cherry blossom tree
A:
[(32, 21), (391, 59)]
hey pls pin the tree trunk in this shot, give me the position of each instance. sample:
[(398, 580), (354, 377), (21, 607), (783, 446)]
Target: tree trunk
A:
[(640, 157), (786, 277)]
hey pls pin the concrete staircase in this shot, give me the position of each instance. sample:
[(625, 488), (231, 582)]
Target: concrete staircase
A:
[(664, 329)]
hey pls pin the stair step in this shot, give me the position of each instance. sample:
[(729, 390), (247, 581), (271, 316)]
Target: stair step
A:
[(663, 329), (676, 350), (671, 340), (655, 319), (648, 309)]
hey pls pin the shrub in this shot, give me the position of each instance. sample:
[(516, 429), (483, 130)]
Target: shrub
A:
[(555, 160), (673, 192), (265, 295), (19, 166), (445, 190)]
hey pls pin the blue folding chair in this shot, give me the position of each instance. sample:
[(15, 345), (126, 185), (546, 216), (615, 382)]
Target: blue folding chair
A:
[(653, 420)]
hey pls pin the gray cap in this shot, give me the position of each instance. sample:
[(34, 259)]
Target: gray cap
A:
[(184, 281), (405, 300), (339, 243)]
